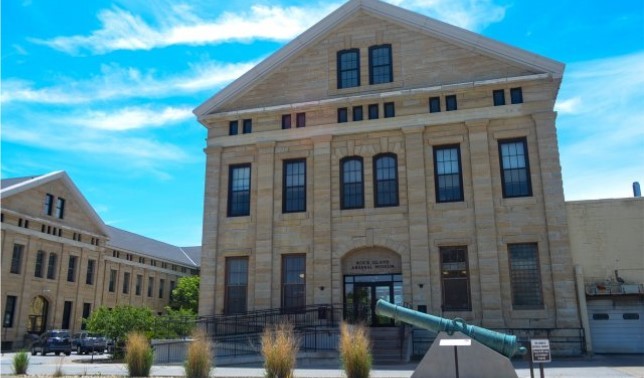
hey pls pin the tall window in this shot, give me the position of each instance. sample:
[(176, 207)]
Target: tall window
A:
[(450, 103), (9, 311), (233, 128), (67, 314), (348, 68), (139, 284), (447, 174), (112, 282), (16, 258), (525, 276), (48, 207), (294, 186), (236, 285), (126, 282), (51, 266), (455, 279), (60, 208), (516, 95), (343, 115), (161, 287), (87, 310), (434, 104), (357, 113), (248, 126), (352, 185), (172, 286), (239, 190), (498, 97), (293, 281), (300, 120), (89, 277), (385, 180), (40, 263), (373, 111), (286, 121), (71, 269), (150, 286), (390, 109), (515, 170), (380, 66)]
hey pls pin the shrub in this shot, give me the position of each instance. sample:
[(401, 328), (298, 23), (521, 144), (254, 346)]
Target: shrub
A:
[(138, 355), (199, 357), (20, 363), (279, 349), (355, 350)]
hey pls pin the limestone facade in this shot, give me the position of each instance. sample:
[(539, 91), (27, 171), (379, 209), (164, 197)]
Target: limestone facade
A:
[(429, 60)]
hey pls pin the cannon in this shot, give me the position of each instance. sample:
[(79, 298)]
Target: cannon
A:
[(505, 344)]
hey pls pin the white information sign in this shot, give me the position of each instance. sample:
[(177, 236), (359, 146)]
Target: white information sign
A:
[(540, 350), (455, 342)]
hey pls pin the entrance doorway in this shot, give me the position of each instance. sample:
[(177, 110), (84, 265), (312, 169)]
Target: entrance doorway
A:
[(38, 312), (362, 292)]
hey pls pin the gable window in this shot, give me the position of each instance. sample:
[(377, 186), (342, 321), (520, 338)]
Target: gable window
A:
[(126, 282), (447, 174), (16, 258), (286, 121), (515, 170), (233, 128), (357, 113), (373, 111), (9, 311), (138, 285), (434, 104), (352, 185), (348, 68), (89, 277), (60, 208), (239, 190), (48, 206), (150, 286), (516, 95), (525, 276), (300, 120), (455, 279), (40, 262), (450, 103), (248, 126), (390, 110), (380, 67), (236, 285), (112, 282), (385, 180), (71, 269), (499, 97), (342, 115), (51, 266), (293, 281), (294, 195)]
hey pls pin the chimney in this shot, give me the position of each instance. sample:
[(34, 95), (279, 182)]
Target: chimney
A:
[(637, 192)]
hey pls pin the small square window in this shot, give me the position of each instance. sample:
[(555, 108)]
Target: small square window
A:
[(357, 113), (499, 97), (248, 126), (300, 120), (286, 121), (516, 95), (434, 104), (450, 103), (390, 110), (373, 111), (342, 115), (233, 128)]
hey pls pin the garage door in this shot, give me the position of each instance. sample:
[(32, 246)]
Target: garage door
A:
[(617, 326)]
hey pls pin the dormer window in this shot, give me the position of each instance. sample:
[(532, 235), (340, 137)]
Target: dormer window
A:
[(380, 66), (348, 68)]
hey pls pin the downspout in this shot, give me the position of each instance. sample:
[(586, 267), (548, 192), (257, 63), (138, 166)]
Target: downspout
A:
[(583, 309)]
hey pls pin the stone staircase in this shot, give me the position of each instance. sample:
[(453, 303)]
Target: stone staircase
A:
[(388, 345)]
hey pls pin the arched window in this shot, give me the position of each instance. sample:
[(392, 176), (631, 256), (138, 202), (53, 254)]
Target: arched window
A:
[(352, 185), (385, 174)]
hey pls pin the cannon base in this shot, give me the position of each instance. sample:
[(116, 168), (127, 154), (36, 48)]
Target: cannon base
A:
[(476, 360)]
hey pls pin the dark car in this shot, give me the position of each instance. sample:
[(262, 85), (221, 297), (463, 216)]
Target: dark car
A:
[(85, 342), (56, 340)]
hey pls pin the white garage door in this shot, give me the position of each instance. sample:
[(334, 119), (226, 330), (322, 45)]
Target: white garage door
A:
[(617, 326)]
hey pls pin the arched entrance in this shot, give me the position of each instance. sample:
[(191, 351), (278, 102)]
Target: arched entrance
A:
[(38, 312), (370, 274)]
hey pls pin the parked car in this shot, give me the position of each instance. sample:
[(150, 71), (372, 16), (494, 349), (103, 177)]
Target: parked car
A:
[(55, 340), (85, 342)]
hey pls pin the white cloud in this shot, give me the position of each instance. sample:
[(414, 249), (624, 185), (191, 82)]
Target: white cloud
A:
[(130, 118), (473, 15), (568, 106)]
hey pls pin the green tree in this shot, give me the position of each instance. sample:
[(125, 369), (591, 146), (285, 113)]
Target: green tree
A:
[(186, 295), (116, 323)]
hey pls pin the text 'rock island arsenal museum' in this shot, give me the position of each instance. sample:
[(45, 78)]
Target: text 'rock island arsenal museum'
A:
[(384, 154)]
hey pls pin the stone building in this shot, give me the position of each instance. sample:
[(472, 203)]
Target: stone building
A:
[(60, 261), (384, 154)]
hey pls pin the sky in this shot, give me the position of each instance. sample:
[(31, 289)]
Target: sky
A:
[(105, 89)]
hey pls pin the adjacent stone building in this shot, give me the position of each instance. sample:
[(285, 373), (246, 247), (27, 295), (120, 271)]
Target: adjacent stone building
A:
[(384, 154), (60, 261)]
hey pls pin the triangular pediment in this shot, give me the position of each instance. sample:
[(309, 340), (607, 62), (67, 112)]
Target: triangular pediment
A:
[(28, 197), (426, 53)]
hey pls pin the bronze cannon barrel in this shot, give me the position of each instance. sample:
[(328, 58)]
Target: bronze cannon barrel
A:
[(500, 342)]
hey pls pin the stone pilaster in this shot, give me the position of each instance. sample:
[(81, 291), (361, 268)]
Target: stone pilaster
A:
[(321, 181), (264, 254), (485, 224)]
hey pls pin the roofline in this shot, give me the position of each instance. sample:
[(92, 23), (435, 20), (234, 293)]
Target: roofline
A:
[(454, 34), (62, 175)]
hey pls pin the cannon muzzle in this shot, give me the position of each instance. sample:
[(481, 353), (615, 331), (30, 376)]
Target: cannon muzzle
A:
[(500, 342)]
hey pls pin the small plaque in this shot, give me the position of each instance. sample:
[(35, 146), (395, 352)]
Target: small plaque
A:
[(455, 342), (540, 350)]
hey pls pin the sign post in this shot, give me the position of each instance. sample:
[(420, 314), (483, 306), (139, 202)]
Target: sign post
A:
[(456, 343), (540, 352)]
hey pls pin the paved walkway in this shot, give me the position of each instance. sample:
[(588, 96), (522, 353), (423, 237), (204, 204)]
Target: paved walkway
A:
[(610, 366)]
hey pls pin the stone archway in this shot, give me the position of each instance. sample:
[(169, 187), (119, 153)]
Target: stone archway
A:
[(38, 313)]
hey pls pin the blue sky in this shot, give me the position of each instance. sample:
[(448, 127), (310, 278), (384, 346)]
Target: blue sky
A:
[(105, 90)]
